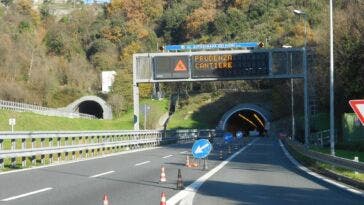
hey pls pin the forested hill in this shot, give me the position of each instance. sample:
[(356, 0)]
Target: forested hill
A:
[(50, 61)]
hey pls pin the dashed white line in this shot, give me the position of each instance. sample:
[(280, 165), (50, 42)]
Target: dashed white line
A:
[(101, 174), (171, 155), (146, 162), (184, 152), (27, 194)]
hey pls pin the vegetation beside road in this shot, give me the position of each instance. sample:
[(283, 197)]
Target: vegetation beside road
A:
[(320, 167)]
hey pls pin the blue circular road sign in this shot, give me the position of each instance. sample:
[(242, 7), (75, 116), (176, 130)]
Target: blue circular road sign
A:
[(201, 148)]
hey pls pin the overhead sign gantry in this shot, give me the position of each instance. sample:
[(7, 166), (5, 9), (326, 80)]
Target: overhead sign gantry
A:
[(217, 65)]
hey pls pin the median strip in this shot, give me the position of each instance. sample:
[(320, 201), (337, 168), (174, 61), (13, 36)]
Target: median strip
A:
[(171, 155), (27, 194), (146, 162), (102, 174)]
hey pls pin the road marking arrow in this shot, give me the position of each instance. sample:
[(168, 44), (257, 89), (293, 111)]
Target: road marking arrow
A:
[(200, 149)]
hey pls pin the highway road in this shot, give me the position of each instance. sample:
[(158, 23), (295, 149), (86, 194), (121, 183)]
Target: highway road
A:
[(260, 174)]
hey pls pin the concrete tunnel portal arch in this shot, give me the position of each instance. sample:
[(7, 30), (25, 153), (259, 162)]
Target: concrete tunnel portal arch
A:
[(245, 117), (91, 105)]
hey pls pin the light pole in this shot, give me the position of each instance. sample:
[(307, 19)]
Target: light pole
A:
[(332, 128), (305, 90)]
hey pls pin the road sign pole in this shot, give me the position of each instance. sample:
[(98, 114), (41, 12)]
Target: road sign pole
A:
[(205, 164), (135, 96)]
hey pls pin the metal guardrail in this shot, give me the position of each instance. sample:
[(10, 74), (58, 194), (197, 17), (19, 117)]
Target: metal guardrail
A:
[(22, 107), (321, 138), (333, 160), (33, 144)]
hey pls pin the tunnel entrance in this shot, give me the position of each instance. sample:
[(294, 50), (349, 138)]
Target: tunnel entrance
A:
[(91, 108), (246, 120)]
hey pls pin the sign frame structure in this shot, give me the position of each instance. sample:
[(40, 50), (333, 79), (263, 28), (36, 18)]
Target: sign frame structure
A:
[(199, 146), (146, 75), (358, 111)]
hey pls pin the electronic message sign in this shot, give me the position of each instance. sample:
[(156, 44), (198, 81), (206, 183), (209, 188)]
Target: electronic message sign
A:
[(230, 65), (171, 67)]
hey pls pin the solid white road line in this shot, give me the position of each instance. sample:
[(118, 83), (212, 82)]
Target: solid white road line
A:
[(184, 152), (171, 155), (186, 196), (146, 162), (308, 171), (101, 174), (27, 194)]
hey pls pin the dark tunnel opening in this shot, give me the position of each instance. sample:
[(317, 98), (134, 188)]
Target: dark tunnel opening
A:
[(91, 108), (246, 120)]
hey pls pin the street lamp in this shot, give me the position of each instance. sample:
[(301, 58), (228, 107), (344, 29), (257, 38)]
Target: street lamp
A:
[(302, 13), (332, 139)]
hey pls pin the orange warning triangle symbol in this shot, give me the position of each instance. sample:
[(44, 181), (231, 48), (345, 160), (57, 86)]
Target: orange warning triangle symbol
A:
[(180, 66)]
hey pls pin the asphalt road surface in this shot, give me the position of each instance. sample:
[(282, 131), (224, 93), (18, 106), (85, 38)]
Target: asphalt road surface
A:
[(259, 175), (262, 174)]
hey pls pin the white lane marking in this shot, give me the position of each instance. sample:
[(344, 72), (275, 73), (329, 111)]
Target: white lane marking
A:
[(171, 155), (27, 194), (141, 163), (184, 152), (189, 192), (308, 171), (101, 174)]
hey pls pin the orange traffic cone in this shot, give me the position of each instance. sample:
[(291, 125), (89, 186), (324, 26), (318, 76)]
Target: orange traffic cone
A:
[(163, 199), (163, 175), (188, 164), (106, 200)]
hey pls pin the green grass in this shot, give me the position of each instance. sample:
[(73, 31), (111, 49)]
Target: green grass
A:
[(341, 153), (157, 109), (184, 116), (26, 121)]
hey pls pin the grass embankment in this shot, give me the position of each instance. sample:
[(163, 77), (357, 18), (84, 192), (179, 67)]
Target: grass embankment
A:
[(157, 108), (319, 166), (342, 153), (26, 121)]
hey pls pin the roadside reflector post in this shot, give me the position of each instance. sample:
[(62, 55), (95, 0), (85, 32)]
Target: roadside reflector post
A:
[(23, 162), (13, 162), (34, 161), (23, 144), (42, 142), (72, 140), (58, 141), (13, 144), (73, 155), (1, 163), (1, 144), (50, 158), (42, 161), (59, 157), (33, 141), (356, 159), (65, 141), (80, 140), (50, 142)]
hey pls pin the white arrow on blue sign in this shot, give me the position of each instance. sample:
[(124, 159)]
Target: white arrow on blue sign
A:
[(201, 148)]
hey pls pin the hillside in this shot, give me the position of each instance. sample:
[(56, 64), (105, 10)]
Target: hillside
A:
[(51, 61)]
